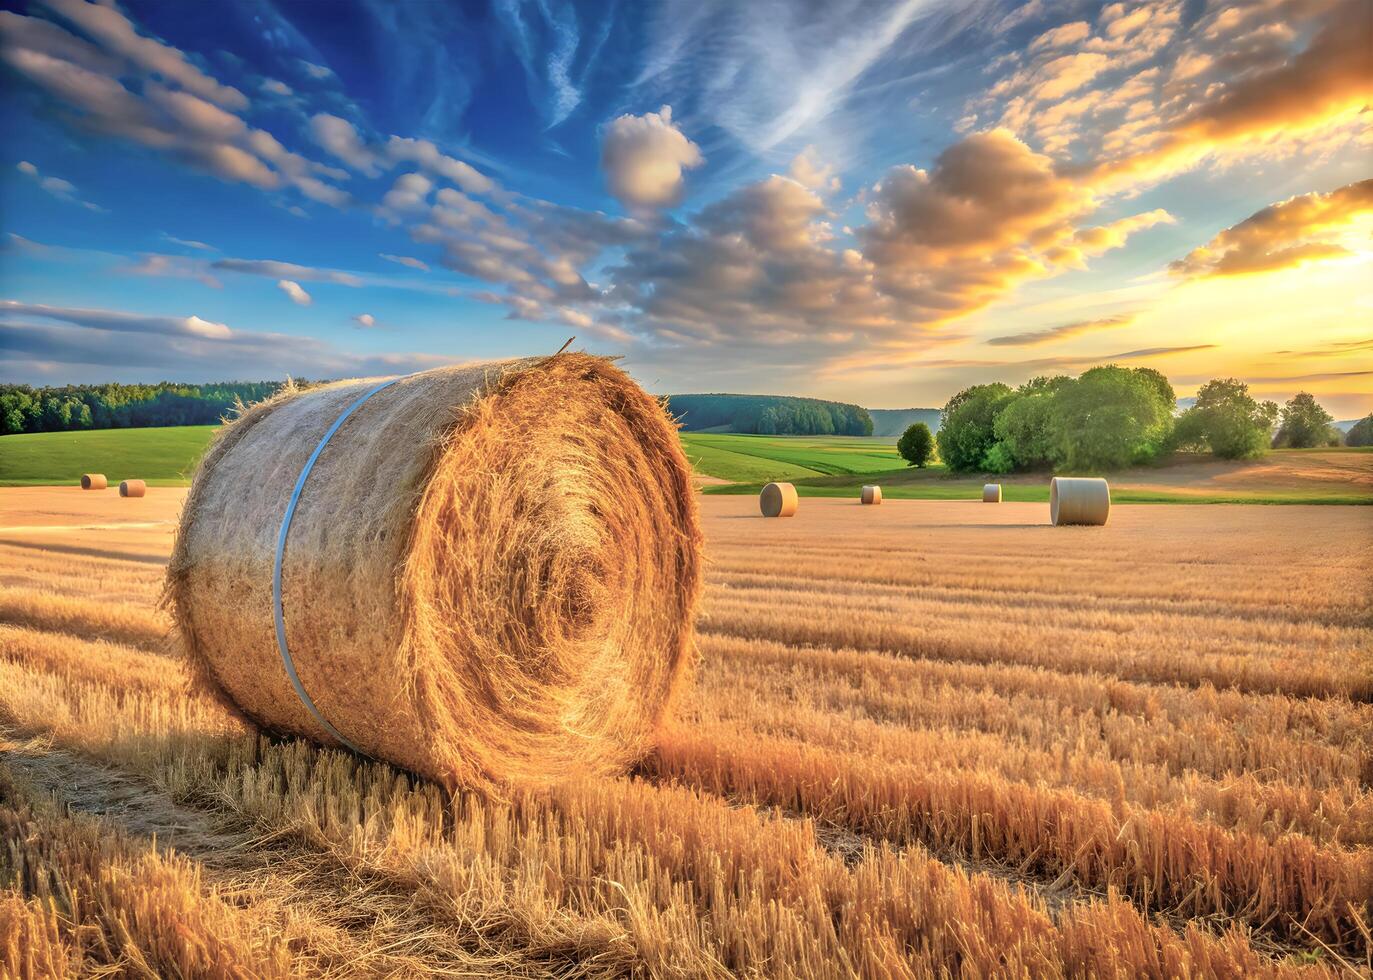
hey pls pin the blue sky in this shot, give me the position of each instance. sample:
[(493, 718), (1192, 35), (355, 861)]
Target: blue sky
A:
[(881, 202)]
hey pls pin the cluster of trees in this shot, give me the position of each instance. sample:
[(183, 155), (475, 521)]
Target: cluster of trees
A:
[(770, 415), (1362, 432), (1112, 417), (120, 406)]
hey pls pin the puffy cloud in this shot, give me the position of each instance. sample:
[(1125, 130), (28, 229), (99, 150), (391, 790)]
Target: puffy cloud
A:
[(365, 320), (1282, 235), (293, 289), (427, 155), (113, 31), (1062, 36), (274, 87), (339, 138), (807, 170), (409, 193), (643, 158), (177, 109), (1034, 338)]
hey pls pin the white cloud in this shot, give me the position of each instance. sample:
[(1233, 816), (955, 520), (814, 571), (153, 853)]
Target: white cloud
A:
[(113, 31), (63, 190), (408, 193), (292, 289), (643, 158), (273, 87), (406, 260), (96, 319), (427, 155), (93, 343), (287, 270), (366, 320), (339, 138)]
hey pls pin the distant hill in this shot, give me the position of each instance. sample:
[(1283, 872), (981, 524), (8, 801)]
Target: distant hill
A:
[(894, 421), (769, 415)]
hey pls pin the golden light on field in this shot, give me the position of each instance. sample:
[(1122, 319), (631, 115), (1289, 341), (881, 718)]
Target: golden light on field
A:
[(927, 735)]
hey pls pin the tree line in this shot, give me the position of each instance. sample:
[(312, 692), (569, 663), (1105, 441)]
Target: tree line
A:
[(124, 406), (1112, 417), (771, 415)]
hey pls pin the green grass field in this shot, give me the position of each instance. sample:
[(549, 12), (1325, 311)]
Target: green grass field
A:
[(820, 466), (163, 457)]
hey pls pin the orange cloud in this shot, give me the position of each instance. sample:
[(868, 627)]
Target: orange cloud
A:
[(1282, 235)]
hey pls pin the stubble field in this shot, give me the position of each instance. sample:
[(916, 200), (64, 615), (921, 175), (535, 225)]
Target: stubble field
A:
[(925, 738)]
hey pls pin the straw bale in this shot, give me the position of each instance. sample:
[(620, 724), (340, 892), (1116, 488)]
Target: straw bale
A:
[(94, 481), (778, 500), (991, 493), (489, 579), (1079, 500), (872, 494), (132, 488)]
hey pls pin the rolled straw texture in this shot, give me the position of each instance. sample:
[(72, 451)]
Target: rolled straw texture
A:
[(991, 493), (94, 481), (1079, 500), (489, 579), (132, 488), (872, 494), (778, 500)]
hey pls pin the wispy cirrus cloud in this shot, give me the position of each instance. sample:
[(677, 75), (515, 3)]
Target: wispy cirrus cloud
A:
[(63, 190), (1033, 338), (92, 343)]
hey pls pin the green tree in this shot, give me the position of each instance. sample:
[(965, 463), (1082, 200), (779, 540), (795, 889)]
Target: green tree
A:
[(966, 426), (1305, 424), (998, 459), (1112, 417), (1025, 426), (916, 445), (1226, 420), (1362, 432)]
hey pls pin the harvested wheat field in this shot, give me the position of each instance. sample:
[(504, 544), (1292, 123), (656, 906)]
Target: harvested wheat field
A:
[(928, 738)]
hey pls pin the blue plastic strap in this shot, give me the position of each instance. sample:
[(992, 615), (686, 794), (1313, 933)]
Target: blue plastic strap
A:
[(281, 552)]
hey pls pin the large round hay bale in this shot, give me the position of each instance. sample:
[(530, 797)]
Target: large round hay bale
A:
[(872, 494), (132, 488), (1079, 500), (94, 481), (487, 574), (991, 493), (778, 500)]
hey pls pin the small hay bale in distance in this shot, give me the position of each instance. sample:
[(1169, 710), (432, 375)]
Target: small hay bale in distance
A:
[(132, 488), (778, 500), (1079, 500), (991, 493), (489, 578), (872, 494), (94, 481)]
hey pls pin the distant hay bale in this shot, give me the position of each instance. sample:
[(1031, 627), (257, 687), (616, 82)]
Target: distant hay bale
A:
[(991, 493), (94, 481), (872, 494), (1079, 500), (778, 500), (132, 488), (489, 577)]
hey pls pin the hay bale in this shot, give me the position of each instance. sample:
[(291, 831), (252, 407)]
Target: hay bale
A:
[(132, 488), (872, 494), (94, 481), (778, 500), (489, 577), (1079, 500), (991, 493)]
